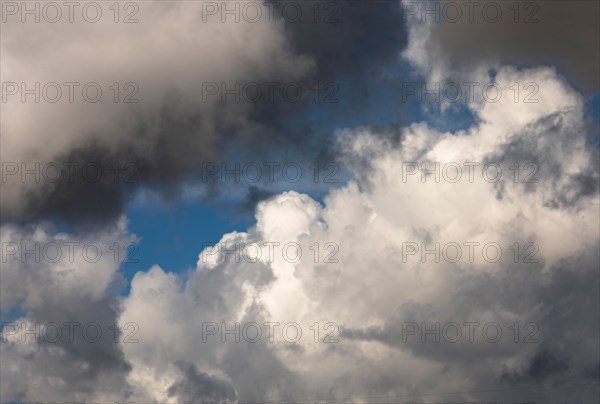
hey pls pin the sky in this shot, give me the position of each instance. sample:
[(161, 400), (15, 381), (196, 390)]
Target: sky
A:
[(350, 201)]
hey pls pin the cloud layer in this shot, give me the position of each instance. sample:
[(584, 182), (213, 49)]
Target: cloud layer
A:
[(452, 266), (368, 286), (208, 82), (372, 291)]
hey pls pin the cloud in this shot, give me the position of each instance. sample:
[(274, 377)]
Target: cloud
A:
[(543, 364), (316, 301), (455, 37), (168, 54), (185, 64), (198, 385), (371, 294), (62, 347)]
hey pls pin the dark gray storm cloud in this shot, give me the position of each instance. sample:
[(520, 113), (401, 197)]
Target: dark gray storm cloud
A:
[(196, 385), (74, 336), (253, 197), (560, 33), (348, 37), (341, 52), (543, 364), (68, 309)]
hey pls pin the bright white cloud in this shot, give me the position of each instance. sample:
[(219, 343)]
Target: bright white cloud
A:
[(371, 291)]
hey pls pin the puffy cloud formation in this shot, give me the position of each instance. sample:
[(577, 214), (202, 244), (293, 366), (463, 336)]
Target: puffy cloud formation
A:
[(512, 287), (371, 287), (66, 290)]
